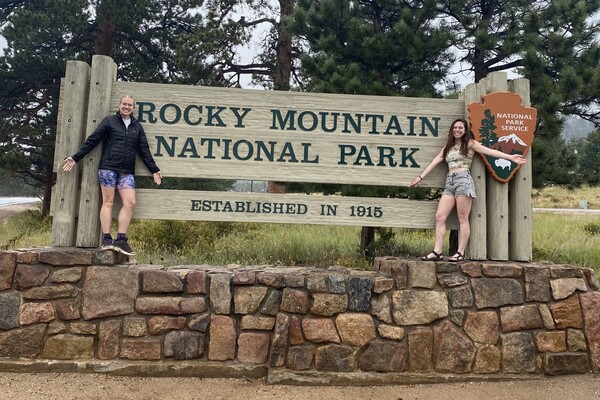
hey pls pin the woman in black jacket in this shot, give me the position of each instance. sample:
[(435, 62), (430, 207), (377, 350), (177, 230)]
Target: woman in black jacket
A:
[(122, 137)]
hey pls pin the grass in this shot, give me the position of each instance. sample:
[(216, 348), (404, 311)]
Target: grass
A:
[(25, 229), (558, 238), (567, 239), (563, 197), (218, 243)]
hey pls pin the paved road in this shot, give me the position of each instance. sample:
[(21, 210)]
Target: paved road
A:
[(11, 201), (585, 211)]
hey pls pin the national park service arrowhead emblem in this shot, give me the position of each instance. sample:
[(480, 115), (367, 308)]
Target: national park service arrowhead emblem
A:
[(500, 122)]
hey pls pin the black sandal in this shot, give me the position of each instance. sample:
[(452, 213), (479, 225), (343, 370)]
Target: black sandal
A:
[(457, 257), (435, 257)]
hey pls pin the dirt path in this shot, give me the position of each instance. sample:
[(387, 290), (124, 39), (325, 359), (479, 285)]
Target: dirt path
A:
[(50, 386)]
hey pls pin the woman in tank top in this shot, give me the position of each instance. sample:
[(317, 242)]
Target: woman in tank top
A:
[(459, 190)]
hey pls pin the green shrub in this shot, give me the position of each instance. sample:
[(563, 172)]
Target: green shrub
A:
[(178, 236), (592, 228)]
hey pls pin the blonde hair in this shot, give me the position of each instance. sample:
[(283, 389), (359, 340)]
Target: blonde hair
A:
[(128, 97)]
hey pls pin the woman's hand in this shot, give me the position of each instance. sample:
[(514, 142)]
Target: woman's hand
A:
[(518, 158), (415, 181), (69, 164), (157, 177)]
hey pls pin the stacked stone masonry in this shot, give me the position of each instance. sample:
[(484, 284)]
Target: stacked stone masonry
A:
[(404, 316)]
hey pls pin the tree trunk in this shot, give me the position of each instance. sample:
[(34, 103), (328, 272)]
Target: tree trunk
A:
[(103, 45), (282, 72), (47, 199), (283, 68), (367, 236)]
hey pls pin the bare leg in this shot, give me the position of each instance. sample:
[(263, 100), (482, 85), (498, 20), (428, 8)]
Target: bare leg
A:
[(126, 212), (463, 209), (445, 207), (108, 198)]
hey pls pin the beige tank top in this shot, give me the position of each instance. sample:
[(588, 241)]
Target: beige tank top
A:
[(456, 160)]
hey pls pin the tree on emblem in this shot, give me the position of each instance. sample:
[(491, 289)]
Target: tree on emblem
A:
[(487, 130)]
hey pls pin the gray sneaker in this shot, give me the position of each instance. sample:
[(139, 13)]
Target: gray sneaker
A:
[(122, 246), (107, 244)]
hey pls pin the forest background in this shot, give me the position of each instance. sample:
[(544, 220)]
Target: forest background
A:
[(419, 48)]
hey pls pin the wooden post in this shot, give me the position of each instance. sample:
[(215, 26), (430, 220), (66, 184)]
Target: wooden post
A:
[(477, 246), (497, 193), (520, 187), (70, 134), (104, 73)]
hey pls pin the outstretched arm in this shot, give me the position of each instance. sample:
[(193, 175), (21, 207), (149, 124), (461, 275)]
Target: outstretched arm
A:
[(157, 176), (516, 158), (434, 163), (91, 142), (144, 151), (69, 164)]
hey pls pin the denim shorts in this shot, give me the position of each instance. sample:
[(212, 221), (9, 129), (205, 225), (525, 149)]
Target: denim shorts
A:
[(111, 179), (459, 184)]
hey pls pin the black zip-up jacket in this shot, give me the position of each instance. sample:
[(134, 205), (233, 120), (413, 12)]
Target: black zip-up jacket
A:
[(120, 145)]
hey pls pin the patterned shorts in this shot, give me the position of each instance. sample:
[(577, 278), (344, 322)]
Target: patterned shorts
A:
[(112, 179), (460, 184)]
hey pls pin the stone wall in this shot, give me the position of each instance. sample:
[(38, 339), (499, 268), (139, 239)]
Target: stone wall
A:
[(426, 320)]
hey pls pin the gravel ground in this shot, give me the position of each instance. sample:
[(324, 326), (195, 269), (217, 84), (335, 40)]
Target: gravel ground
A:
[(66, 386)]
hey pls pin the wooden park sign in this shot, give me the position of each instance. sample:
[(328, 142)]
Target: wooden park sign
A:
[(222, 133)]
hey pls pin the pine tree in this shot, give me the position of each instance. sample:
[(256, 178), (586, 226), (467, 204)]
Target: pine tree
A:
[(383, 47), (552, 43), (42, 35), (590, 162), (487, 131)]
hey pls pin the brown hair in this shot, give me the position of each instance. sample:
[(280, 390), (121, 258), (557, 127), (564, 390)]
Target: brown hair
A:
[(464, 140)]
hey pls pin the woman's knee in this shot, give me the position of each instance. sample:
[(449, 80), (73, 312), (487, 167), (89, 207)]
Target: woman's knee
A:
[(440, 217), (463, 217), (108, 202), (129, 203), (128, 198)]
